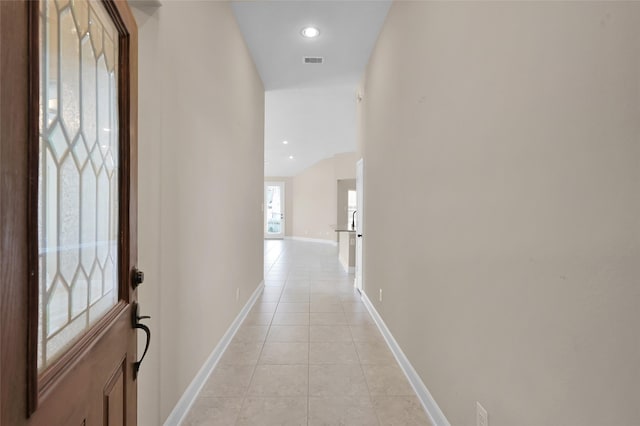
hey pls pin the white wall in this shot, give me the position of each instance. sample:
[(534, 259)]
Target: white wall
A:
[(513, 129), (315, 196), (201, 178)]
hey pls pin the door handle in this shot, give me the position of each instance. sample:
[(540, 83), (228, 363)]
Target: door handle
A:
[(137, 277), (359, 235), (135, 322)]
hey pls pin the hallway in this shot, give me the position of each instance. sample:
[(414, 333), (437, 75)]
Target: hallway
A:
[(307, 354)]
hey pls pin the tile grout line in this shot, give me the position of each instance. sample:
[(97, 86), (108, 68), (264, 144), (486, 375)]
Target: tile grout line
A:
[(246, 391), (297, 272), (366, 381), (253, 372)]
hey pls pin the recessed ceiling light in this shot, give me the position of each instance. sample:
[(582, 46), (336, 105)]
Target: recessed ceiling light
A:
[(285, 142), (310, 32), (291, 157)]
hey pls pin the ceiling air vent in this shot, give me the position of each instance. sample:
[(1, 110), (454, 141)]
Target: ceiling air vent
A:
[(313, 59)]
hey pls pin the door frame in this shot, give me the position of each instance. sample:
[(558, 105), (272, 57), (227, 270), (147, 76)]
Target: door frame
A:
[(359, 278), (283, 205), (22, 388)]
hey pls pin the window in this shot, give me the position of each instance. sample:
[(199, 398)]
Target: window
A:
[(78, 179)]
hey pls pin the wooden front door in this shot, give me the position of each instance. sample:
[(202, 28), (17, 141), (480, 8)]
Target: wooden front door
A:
[(68, 203)]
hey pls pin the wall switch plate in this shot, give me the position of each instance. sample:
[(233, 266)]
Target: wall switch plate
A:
[(482, 418), (380, 295)]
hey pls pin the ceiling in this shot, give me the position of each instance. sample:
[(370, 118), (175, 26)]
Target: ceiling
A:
[(312, 106)]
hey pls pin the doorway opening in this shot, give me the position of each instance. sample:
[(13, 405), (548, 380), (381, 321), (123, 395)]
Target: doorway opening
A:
[(274, 220)]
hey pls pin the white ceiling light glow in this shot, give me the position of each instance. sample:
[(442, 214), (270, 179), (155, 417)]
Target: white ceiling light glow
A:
[(285, 142), (291, 157), (310, 32)]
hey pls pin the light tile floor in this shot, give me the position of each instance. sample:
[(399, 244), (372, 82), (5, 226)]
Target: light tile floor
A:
[(308, 353)]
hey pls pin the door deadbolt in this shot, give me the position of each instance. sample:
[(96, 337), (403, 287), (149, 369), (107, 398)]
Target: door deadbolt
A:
[(137, 277)]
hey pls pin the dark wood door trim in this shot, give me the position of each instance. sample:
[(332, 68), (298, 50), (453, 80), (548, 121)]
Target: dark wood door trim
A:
[(14, 79), (33, 10)]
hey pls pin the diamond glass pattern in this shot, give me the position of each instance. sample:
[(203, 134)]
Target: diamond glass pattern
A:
[(79, 163)]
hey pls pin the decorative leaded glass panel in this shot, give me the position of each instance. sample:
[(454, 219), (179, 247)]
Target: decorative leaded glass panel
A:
[(78, 172)]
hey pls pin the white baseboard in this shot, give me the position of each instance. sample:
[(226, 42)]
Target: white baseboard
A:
[(430, 406), (179, 412), (313, 240)]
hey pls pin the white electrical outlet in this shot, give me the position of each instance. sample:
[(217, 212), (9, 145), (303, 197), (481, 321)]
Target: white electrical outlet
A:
[(237, 293), (380, 295), (482, 418)]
